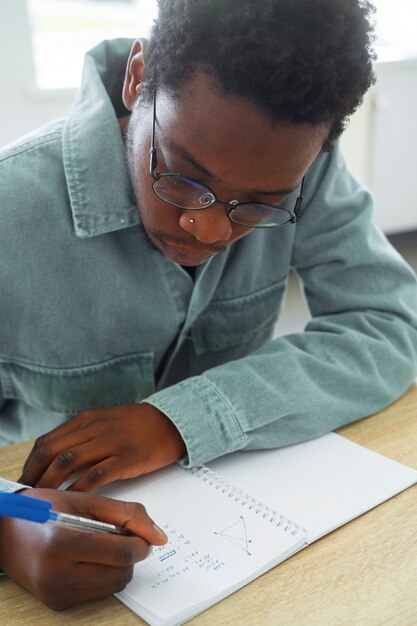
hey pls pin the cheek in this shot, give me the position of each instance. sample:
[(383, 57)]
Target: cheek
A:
[(156, 215), (161, 216)]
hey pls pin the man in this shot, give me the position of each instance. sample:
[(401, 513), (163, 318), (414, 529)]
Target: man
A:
[(146, 245)]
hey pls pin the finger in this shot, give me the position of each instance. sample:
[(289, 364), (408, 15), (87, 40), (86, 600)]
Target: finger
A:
[(46, 449), (95, 546), (72, 460), (130, 515), (60, 598), (100, 548), (77, 422), (91, 576), (47, 444), (99, 475), (63, 599)]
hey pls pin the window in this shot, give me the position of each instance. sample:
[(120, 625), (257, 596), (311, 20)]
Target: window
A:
[(396, 29), (63, 30)]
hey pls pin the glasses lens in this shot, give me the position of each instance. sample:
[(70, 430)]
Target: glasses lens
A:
[(183, 192), (259, 215)]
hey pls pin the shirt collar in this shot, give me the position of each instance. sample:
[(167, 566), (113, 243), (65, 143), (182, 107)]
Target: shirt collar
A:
[(98, 181)]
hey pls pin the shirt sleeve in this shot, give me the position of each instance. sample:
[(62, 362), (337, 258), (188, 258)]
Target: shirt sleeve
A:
[(356, 355)]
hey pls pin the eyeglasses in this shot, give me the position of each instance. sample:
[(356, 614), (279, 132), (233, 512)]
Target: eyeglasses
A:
[(188, 194)]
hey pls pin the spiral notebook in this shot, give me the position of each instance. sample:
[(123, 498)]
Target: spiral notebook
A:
[(229, 523)]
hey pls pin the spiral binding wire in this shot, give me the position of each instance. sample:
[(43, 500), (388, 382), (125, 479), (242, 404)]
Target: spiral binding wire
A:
[(249, 502)]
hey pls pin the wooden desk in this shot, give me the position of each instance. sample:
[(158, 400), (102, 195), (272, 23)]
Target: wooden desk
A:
[(363, 574)]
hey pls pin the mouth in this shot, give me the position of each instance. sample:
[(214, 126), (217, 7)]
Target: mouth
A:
[(184, 257)]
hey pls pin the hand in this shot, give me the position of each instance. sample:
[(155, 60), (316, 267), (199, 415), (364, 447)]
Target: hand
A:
[(104, 445), (63, 567)]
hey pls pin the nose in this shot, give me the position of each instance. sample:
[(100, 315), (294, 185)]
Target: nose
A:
[(207, 225)]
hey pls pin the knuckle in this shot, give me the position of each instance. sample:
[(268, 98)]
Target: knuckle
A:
[(89, 418), (46, 591), (65, 459), (134, 510), (123, 578), (85, 415), (95, 475), (144, 550), (124, 555), (138, 509), (41, 449), (55, 603), (50, 600)]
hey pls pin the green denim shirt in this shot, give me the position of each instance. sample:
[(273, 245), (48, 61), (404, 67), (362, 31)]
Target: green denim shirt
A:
[(92, 316)]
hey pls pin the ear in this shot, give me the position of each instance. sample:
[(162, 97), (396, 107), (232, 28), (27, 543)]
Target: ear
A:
[(134, 73)]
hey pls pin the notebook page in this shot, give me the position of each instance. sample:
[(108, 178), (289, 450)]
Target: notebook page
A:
[(216, 544), (321, 484)]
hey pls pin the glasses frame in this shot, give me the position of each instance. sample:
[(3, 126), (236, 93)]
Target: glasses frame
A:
[(293, 217)]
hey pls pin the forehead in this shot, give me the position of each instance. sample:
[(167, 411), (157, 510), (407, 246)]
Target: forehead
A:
[(231, 137)]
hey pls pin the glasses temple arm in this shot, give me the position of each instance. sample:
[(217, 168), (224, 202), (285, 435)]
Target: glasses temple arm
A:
[(153, 162), (297, 208)]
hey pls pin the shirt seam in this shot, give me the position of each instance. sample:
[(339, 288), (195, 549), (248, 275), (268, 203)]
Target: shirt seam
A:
[(26, 147), (258, 293), (229, 407)]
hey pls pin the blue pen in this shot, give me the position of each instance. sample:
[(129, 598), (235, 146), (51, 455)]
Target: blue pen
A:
[(35, 510)]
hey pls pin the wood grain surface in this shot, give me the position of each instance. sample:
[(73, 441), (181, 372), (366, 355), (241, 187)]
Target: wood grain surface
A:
[(363, 574)]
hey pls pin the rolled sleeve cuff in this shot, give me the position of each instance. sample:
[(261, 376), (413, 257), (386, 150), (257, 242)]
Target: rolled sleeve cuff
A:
[(204, 418)]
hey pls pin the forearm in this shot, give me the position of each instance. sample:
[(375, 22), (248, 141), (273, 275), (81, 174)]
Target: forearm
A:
[(295, 388)]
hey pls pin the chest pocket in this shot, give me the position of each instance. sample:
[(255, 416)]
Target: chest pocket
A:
[(247, 319), (121, 380)]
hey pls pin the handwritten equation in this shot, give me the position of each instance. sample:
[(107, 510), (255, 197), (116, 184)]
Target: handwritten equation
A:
[(179, 558)]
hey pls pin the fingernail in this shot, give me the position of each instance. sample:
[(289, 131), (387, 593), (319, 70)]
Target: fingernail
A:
[(160, 531), (149, 550)]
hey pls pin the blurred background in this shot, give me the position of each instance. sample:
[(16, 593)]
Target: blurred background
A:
[(42, 44)]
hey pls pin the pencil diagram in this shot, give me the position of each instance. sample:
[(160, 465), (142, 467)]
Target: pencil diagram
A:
[(237, 534)]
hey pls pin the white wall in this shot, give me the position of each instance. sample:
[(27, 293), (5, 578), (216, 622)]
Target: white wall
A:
[(381, 145), (393, 145), (356, 140), (22, 106)]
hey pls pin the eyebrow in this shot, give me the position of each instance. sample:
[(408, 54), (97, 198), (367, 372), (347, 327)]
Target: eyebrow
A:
[(186, 156)]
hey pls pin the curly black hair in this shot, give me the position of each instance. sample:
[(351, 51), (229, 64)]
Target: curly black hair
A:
[(299, 61)]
